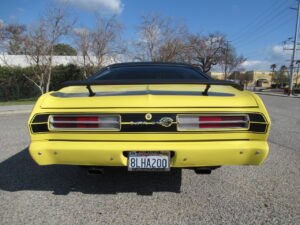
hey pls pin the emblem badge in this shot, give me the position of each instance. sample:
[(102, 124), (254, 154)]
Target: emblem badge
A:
[(148, 116), (166, 121)]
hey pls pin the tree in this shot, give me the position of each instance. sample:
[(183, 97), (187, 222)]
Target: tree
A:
[(273, 67), (83, 42), (16, 37), (229, 60), (99, 45), (280, 77), (2, 31), (106, 40), (283, 75), (40, 43), (64, 49), (205, 51), (161, 39), (12, 39)]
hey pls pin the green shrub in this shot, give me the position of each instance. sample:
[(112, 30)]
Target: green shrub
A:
[(63, 73), (14, 85)]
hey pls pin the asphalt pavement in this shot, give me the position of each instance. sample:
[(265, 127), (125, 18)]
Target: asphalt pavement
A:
[(15, 109), (266, 194)]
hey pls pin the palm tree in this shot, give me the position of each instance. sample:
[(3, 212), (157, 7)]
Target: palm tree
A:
[(273, 67), (283, 78)]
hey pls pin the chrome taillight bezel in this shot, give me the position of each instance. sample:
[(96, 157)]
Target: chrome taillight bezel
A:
[(246, 122), (51, 122)]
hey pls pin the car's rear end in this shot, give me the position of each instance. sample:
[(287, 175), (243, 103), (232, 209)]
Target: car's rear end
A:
[(133, 125)]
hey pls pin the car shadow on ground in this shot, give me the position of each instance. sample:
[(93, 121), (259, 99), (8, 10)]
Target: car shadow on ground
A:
[(20, 172)]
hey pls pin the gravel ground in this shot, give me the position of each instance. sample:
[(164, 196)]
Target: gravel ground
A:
[(266, 194)]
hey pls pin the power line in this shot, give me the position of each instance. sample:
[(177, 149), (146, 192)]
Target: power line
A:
[(268, 25), (266, 32), (262, 17), (256, 20), (254, 53)]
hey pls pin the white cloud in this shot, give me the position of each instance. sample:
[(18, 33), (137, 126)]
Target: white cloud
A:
[(255, 65), (273, 55), (101, 6), (279, 55)]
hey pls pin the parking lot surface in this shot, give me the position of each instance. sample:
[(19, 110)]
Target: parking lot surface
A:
[(266, 194)]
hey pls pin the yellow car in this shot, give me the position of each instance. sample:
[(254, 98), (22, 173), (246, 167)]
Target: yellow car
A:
[(149, 116)]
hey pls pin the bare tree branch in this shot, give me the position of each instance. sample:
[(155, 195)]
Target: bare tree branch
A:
[(204, 51), (99, 44), (40, 43), (229, 60), (161, 39)]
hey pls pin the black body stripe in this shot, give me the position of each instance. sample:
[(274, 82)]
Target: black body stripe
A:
[(148, 128), (37, 128), (42, 118), (128, 117), (137, 122)]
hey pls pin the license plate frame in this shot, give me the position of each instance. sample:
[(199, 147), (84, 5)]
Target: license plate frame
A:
[(139, 161)]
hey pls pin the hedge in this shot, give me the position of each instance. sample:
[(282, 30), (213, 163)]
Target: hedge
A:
[(14, 85)]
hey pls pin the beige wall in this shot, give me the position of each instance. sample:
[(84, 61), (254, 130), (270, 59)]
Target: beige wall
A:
[(217, 75), (261, 77), (256, 76)]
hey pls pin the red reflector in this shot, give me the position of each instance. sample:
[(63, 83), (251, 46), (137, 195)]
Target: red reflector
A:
[(221, 125), (221, 118), (75, 118), (75, 125)]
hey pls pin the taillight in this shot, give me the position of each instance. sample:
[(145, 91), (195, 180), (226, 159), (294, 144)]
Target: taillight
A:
[(199, 122), (85, 122)]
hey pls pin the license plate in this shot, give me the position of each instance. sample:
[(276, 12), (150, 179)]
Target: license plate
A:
[(149, 161)]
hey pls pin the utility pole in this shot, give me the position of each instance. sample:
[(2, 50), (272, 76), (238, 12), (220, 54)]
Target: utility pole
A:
[(294, 52)]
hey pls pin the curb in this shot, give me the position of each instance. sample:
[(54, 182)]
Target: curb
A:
[(278, 95), (15, 112)]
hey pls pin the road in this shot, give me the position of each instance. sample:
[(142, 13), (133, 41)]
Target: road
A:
[(266, 194)]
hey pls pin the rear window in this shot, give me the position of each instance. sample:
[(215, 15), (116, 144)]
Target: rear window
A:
[(149, 73)]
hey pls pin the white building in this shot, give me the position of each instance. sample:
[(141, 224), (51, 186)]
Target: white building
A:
[(25, 61)]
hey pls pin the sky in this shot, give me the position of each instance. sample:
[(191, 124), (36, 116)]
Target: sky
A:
[(256, 28)]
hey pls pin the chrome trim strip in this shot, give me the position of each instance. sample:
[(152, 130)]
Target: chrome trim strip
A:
[(85, 122)]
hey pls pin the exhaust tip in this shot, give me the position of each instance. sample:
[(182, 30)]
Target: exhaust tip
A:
[(202, 171), (205, 170), (95, 171)]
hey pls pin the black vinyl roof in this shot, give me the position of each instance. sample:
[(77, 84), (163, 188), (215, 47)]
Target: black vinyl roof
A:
[(206, 81), (149, 64)]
